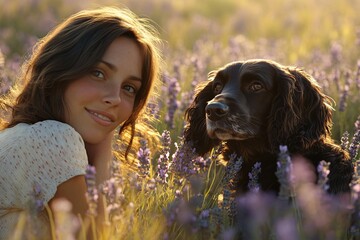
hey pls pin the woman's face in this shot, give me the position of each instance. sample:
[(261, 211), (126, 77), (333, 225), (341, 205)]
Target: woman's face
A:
[(97, 103)]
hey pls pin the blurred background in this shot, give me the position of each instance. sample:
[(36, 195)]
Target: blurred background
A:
[(304, 25)]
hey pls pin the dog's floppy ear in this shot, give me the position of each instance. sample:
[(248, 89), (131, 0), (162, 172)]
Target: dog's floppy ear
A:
[(195, 116), (301, 113), (316, 115)]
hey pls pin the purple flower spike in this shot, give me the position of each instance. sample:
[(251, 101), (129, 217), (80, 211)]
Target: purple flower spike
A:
[(92, 192), (354, 145), (163, 160), (182, 164), (283, 172), (357, 76), (37, 199), (323, 170), (357, 123), (172, 102), (254, 178), (143, 156), (345, 141), (345, 93)]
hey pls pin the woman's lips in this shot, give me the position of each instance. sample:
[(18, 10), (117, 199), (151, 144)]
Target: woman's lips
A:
[(102, 118)]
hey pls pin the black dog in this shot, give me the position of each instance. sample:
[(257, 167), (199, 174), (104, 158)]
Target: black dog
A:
[(257, 105)]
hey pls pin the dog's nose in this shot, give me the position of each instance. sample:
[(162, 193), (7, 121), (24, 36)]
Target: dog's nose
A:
[(216, 110)]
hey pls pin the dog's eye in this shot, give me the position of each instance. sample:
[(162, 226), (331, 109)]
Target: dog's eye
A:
[(218, 86), (255, 87)]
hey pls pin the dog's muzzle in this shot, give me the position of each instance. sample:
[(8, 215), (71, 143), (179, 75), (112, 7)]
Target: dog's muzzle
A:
[(216, 110)]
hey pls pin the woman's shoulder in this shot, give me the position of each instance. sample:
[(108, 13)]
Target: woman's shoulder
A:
[(52, 127), (49, 134), (40, 128), (49, 131), (55, 134)]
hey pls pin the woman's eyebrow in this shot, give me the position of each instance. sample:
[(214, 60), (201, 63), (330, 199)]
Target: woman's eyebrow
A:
[(109, 65), (114, 68)]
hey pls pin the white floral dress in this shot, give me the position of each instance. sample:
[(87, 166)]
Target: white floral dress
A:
[(35, 157)]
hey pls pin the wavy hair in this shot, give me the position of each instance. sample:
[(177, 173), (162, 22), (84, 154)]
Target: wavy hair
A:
[(70, 51)]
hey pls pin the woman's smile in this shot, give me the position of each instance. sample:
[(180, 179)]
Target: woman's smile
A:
[(100, 117)]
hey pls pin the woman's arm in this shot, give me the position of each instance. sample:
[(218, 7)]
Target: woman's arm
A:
[(74, 191)]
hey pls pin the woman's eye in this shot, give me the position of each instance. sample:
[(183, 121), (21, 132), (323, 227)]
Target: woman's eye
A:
[(98, 74), (218, 87), (130, 89), (255, 87)]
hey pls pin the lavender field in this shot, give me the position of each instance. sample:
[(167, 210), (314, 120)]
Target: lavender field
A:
[(170, 193)]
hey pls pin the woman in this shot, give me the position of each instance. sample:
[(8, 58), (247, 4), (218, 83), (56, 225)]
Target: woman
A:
[(91, 74)]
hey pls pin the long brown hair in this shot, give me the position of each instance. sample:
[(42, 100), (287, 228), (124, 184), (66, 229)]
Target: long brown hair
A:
[(70, 51)]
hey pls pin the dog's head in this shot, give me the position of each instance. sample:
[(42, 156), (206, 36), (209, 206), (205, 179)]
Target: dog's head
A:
[(258, 99)]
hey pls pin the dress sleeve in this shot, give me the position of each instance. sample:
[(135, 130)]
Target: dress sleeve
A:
[(56, 153)]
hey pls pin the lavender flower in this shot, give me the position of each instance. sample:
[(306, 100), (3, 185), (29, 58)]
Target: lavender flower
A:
[(182, 164), (115, 198), (344, 142), (226, 199), (203, 220), (252, 214), (172, 102), (151, 184), (283, 173), (198, 69), (201, 164), (336, 53), (216, 220), (177, 73), (336, 78), (92, 192), (286, 229), (228, 234), (38, 202), (254, 178), (178, 193), (163, 160), (345, 93), (153, 109), (143, 156), (233, 166), (357, 76), (134, 181), (355, 197), (357, 123), (354, 145), (323, 172), (5, 79), (35, 207), (179, 211), (355, 218), (188, 96)]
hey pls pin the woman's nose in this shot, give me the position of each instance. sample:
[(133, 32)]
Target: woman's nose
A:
[(112, 95)]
